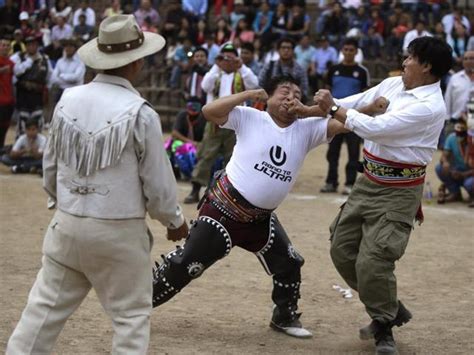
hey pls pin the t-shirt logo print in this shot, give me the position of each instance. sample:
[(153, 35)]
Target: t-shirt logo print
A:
[(277, 155)]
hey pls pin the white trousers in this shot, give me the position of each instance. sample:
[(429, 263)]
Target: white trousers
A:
[(113, 257)]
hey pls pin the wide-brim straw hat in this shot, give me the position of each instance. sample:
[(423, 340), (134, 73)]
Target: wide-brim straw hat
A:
[(120, 42)]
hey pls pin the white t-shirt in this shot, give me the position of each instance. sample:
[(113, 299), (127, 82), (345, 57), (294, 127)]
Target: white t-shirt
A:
[(23, 143), (267, 158)]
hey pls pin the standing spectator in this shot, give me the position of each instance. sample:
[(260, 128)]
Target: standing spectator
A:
[(68, 72), (87, 11), (418, 31), (345, 79), (114, 9), (458, 92), (9, 14), (262, 24), (32, 71), (183, 53), (456, 16), (324, 57), (146, 10), (82, 30), (199, 68), (7, 100), (298, 22), (228, 76), (453, 170), (195, 9), (247, 54), (372, 44), (286, 65), (27, 153), (458, 40), (305, 52)]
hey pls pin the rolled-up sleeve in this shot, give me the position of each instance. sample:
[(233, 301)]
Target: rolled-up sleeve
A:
[(156, 174)]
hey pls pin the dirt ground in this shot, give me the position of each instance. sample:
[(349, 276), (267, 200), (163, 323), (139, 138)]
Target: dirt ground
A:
[(227, 310)]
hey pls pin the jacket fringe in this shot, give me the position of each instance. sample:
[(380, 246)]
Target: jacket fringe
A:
[(88, 152)]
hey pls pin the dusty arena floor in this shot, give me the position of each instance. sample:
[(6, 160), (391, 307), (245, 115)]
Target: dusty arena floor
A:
[(227, 310)]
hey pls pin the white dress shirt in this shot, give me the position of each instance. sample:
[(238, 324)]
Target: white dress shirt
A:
[(408, 131), (411, 35), (68, 72), (460, 88), (208, 83)]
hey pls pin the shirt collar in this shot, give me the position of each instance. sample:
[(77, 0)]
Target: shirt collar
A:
[(115, 80), (421, 92)]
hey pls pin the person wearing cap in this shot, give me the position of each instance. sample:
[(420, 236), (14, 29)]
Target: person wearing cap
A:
[(32, 73), (25, 26), (372, 229), (69, 70), (104, 168), (454, 170), (228, 76)]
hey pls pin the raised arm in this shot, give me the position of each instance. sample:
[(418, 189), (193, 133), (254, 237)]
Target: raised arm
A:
[(218, 110)]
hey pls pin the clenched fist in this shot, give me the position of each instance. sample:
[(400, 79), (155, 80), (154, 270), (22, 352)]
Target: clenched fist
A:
[(258, 95), (178, 233)]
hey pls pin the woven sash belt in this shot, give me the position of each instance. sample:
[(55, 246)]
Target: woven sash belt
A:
[(232, 204), (389, 173)]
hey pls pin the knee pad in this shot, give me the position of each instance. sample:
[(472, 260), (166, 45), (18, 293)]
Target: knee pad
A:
[(208, 241)]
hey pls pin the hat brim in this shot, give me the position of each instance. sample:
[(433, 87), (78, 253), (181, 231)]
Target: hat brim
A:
[(95, 59)]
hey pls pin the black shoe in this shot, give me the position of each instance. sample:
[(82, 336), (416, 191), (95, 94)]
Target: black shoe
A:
[(291, 327), (403, 316), (193, 197), (384, 342), (328, 188)]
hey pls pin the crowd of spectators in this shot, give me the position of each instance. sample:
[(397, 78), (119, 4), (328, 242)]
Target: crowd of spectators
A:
[(39, 39)]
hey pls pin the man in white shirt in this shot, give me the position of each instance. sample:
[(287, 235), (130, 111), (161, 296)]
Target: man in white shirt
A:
[(85, 10), (69, 70), (105, 168), (237, 210), (458, 92), (228, 76), (372, 228), (418, 31)]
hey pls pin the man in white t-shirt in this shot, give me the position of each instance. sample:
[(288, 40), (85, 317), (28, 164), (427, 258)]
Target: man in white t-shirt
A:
[(238, 208)]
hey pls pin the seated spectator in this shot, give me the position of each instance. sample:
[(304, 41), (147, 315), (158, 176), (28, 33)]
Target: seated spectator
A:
[(336, 25), (27, 152), (280, 22), (61, 9), (199, 68), (199, 33), (173, 20), (262, 24), (456, 16), (148, 26), (298, 22), (146, 10), (188, 131), (195, 9), (17, 45), (9, 16), (237, 14), (68, 72), (82, 30), (222, 32), (85, 10), (458, 40), (212, 48), (25, 25), (243, 32), (113, 10), (372, 44), (61, 30), (453, 170)]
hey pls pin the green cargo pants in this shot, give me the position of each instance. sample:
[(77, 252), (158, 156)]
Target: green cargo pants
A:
[(216, 141), (368, 235)]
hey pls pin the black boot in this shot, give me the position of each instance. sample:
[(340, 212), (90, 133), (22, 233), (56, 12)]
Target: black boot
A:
[(403, 316), (384, 342), (193, 196)]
